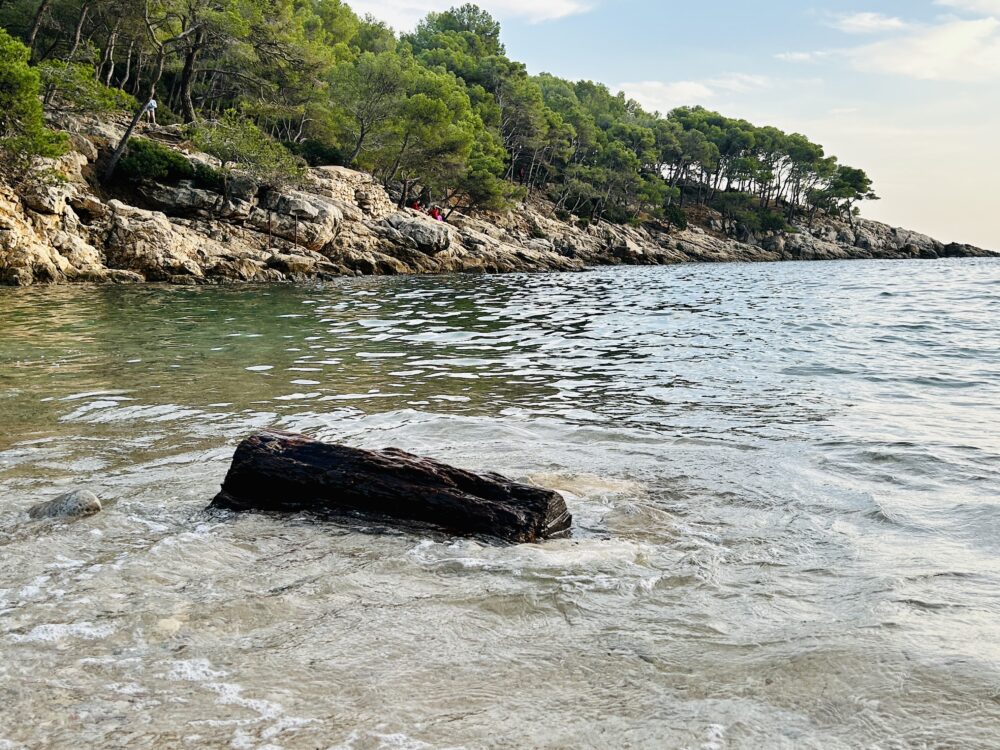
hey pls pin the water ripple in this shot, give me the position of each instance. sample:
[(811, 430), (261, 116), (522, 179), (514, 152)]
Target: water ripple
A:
[(785, 480)]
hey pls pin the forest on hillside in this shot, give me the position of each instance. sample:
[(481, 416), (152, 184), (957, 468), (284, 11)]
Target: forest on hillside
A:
[(442, 112)]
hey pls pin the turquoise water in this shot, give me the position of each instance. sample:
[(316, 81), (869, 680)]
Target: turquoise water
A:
[(785, 480)]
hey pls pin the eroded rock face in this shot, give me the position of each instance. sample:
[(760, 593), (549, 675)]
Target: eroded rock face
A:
[(147, 243), (428, 235), (344, 222), (75, 504)]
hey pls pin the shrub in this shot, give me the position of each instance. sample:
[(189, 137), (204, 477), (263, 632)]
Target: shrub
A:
[(675, 216), (748, 220), (23, 135), (241, 146), (316, 153), (73, 87), (772, 221), (146, 159), (209, 178)]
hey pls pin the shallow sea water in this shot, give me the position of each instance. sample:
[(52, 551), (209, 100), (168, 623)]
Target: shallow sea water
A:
[(785, 481)]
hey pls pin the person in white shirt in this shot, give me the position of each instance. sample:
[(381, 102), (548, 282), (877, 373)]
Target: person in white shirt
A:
[(150, 111)]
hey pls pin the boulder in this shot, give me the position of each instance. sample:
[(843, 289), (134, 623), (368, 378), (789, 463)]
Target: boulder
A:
[(428, 235), (73, 504), (47, 198), (310, 221), (147, 243), (83, 146), (295, 265), (286, 473)]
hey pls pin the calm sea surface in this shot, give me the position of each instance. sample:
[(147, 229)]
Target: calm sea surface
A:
[(785, 481)]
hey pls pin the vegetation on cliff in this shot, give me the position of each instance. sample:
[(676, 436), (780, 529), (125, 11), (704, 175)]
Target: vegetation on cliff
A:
[(442, 112)]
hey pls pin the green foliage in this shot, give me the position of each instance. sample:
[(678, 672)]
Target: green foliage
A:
[(675, 217), (23, 135), (441, 110), (241, 145), (537, 233), (149, 160), (369, 90), (316, 152), (772, 221), (73, 87), (208, 178)]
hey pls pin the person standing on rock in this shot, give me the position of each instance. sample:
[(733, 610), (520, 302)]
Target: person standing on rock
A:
[(150, 111)]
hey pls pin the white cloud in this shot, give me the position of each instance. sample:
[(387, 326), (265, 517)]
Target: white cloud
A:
[(664, 96), (404, 14), (802, 57), (868, 23), (987, 7), (962, 51), (739, 82)]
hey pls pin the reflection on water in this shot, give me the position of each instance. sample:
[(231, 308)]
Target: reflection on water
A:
[(786, 482)]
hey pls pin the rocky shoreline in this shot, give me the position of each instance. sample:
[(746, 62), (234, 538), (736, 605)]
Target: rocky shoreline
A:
[(343, 222)]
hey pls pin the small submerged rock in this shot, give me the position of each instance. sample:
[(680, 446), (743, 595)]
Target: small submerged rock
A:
[(73, 504)]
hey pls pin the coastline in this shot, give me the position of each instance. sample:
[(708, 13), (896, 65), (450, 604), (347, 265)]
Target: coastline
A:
[(343, 223)]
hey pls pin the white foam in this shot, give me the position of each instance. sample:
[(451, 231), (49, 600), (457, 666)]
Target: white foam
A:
[(715, 736), (53, 632), (231, 694), (193, 670), (34, 588)]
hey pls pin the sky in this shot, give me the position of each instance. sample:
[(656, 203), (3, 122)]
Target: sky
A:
[(908, 90)]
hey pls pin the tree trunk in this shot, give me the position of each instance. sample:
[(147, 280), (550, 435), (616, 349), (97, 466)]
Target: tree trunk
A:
[(279, 471), (187, 80), (128, 66), (78, 32), (151, 92), (399, 160), (108, 59), (362, 134), (36, 24)]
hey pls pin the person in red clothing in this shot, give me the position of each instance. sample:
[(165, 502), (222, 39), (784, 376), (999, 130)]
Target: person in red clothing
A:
[(436, 214), (416, 206)]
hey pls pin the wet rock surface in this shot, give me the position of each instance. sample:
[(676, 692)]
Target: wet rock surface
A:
[(74, 504), (287, 473)]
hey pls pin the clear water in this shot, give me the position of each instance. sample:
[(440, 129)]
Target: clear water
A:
[(785, 478)]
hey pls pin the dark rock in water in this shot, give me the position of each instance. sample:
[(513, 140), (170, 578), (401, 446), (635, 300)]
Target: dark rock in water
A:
[(71, 505), (279, 471)]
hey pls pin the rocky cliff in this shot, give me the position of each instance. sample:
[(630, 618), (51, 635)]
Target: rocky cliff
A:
[(342, 222)]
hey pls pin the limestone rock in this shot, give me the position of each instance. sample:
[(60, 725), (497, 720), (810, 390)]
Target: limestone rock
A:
[(73, 504), (307, 220), (47, 198), (147, 243), (84, 146), (428, 235), (344, 222)]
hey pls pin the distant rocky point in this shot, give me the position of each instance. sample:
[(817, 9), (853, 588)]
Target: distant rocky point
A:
[(343, 222)]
